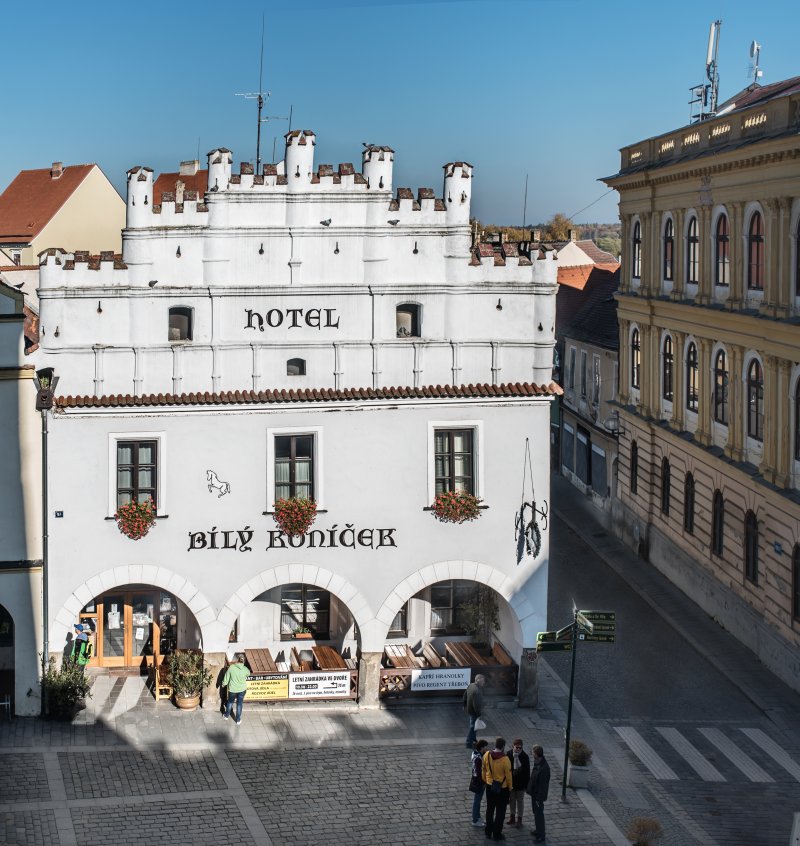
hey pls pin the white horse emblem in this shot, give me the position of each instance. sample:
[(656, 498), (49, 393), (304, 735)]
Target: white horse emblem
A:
[(215, 483)]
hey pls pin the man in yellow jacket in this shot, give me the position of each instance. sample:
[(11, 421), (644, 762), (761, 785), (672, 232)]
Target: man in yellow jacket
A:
[(499, 778), (236, 681)]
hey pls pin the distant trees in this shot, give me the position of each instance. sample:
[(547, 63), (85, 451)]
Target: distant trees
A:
[(557, 228)]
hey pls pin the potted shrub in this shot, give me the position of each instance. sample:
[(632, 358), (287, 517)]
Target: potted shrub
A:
[(644, 831), (64, 689), (456, 507), (578, 768), (188, 676), (135, 519), (295, 515), (303, 633)]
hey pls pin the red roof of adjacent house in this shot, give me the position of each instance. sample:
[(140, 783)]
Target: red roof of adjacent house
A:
[(594, 252), (510, 390), (167, 182), (31, 201)]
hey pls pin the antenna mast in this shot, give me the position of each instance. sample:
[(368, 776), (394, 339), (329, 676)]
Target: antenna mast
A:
[(755, 55), (705, 96), (525, 206)]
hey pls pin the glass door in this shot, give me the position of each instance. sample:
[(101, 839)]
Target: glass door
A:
[(141, 633), (111, 614)]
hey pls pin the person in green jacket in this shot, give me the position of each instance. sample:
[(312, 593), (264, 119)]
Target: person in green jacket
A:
[(235, 681)]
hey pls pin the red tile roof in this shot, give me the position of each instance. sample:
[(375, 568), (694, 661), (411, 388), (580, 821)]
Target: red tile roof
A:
[(33, 198), (166, 183), (594, 252), (510, 390)]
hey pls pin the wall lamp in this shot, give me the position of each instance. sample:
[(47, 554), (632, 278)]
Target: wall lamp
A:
[(415, 250), (336, 249), (499, 305), (153, 282)]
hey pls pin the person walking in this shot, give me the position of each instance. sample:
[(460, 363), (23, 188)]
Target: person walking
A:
[(235, 681), (520, 776), (473, 705), (476, 782), (498, 780), (81, 652), (537, 790)]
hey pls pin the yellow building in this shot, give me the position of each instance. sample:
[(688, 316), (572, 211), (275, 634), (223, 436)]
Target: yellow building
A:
[(709, 385), (75, 208)]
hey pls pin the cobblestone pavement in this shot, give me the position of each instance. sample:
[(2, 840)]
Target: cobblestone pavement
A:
[(686, 727)]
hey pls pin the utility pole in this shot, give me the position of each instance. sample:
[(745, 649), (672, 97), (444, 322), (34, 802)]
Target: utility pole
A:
[(569, 707)]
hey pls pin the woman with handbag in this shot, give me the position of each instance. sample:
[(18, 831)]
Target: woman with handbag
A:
[(498, 779), (476, 783)]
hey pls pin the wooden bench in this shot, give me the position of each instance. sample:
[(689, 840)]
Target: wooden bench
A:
[(430, 654), (399, 655), (501, 655), (298, 665), (463, 654), (260, 661), (328, 659)]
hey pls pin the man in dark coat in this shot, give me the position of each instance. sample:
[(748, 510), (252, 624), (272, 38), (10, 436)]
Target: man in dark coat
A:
[(473, 705), (537, 790), (520, 774)]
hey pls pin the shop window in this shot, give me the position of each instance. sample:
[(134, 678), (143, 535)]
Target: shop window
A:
[(636, 358), (137, 471), (399, 626), (294, 466), (636, 253), (599, 474), (796, 582), (721, 387), (692, 374), (717, 523), (180, 324), (454, 460), (722, 252), (688, 504), (583, 456), (665, 487), (755, 253), (751, 547), (407, 320), (296, 367), (304, 607), (692, 253), (669, 248), (634, 468), (448, 606), (667, 363), (755, 401)]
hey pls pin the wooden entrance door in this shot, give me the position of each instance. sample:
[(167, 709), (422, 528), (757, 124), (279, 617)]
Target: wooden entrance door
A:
[(124, 634)]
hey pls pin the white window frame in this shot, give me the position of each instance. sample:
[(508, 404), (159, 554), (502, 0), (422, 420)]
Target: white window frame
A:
[(477, 427), (317, 433), (597, 379), (161, 477)]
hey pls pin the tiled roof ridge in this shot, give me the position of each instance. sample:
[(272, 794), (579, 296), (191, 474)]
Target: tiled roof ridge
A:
[(507, 389)]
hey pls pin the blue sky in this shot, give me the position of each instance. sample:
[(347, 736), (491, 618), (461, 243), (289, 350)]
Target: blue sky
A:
[(551, 88)]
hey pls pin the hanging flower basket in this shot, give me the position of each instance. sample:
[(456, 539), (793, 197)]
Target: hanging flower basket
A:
[(134, 519), (456, 507), (295, 515)]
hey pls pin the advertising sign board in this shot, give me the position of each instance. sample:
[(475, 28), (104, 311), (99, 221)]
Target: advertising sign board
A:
[(455, 679)]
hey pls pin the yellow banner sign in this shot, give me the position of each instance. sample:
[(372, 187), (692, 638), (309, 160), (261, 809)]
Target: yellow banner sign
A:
[(271, 686)]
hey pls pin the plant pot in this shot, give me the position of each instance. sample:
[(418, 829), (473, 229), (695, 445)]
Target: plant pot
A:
[(303, 636), (577, 776), (187, 703)]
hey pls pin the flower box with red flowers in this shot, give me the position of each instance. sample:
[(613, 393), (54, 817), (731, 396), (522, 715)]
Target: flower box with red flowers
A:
[(456, 507), (135, 519), (295, 515)]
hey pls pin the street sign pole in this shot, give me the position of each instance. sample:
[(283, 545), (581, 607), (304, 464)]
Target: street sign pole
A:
[(569, 708)]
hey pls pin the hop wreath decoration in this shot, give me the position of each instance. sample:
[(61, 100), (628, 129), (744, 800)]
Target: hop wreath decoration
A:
[(135, 519), (456, 507), (295, 515)]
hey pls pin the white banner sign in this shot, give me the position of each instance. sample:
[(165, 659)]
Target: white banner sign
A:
[(319, 685), (440, 679)]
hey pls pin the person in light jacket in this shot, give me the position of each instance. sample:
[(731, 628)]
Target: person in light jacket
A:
[(497, 776), (236, 682), (473, 705)]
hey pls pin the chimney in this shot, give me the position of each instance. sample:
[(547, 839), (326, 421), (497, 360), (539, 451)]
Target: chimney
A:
[(179, 188), (572, 234), (536, 235), (56, 170), (190, 168)]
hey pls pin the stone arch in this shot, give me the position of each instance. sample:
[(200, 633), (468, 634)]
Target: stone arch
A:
[(126, 574)]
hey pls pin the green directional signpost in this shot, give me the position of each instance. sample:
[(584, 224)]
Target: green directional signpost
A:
[(589, 627)]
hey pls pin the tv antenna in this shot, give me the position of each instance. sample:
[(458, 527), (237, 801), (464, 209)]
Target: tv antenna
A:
[(260, 97), (704, 97), (755, 53)]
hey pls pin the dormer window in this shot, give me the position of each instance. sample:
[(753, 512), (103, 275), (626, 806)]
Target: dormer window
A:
[(180, 324), (407, 320), (296, 367)]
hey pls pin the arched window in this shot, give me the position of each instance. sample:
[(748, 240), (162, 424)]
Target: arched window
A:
[(636, 253), (666, 368), (797, 259), (717, 523), (796, 582), (755, 401), (755, 253), (665, 486), (296, 367), (669, 249), (751, 547), (692, 370), (721, 387), (636, 358), (722, 252), (634, 468), (688, 503), (407, 320), (180, 324), (692, 252), (797, 421)]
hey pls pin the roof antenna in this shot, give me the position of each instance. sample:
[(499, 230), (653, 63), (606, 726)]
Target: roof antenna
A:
[(755, 53), (260, 97), (705, 96), (525, 207)]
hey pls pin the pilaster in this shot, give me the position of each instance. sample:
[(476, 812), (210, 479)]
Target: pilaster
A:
[(528, 683), (773, 302), (734, 448), (624, 362), (369, 678), (768, 457), (704, 288), (678, 382), (678, 256), (703, 433), (625, 241), (737, 253)]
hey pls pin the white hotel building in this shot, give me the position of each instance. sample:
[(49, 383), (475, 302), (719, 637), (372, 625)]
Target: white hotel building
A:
[(300, 331)]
